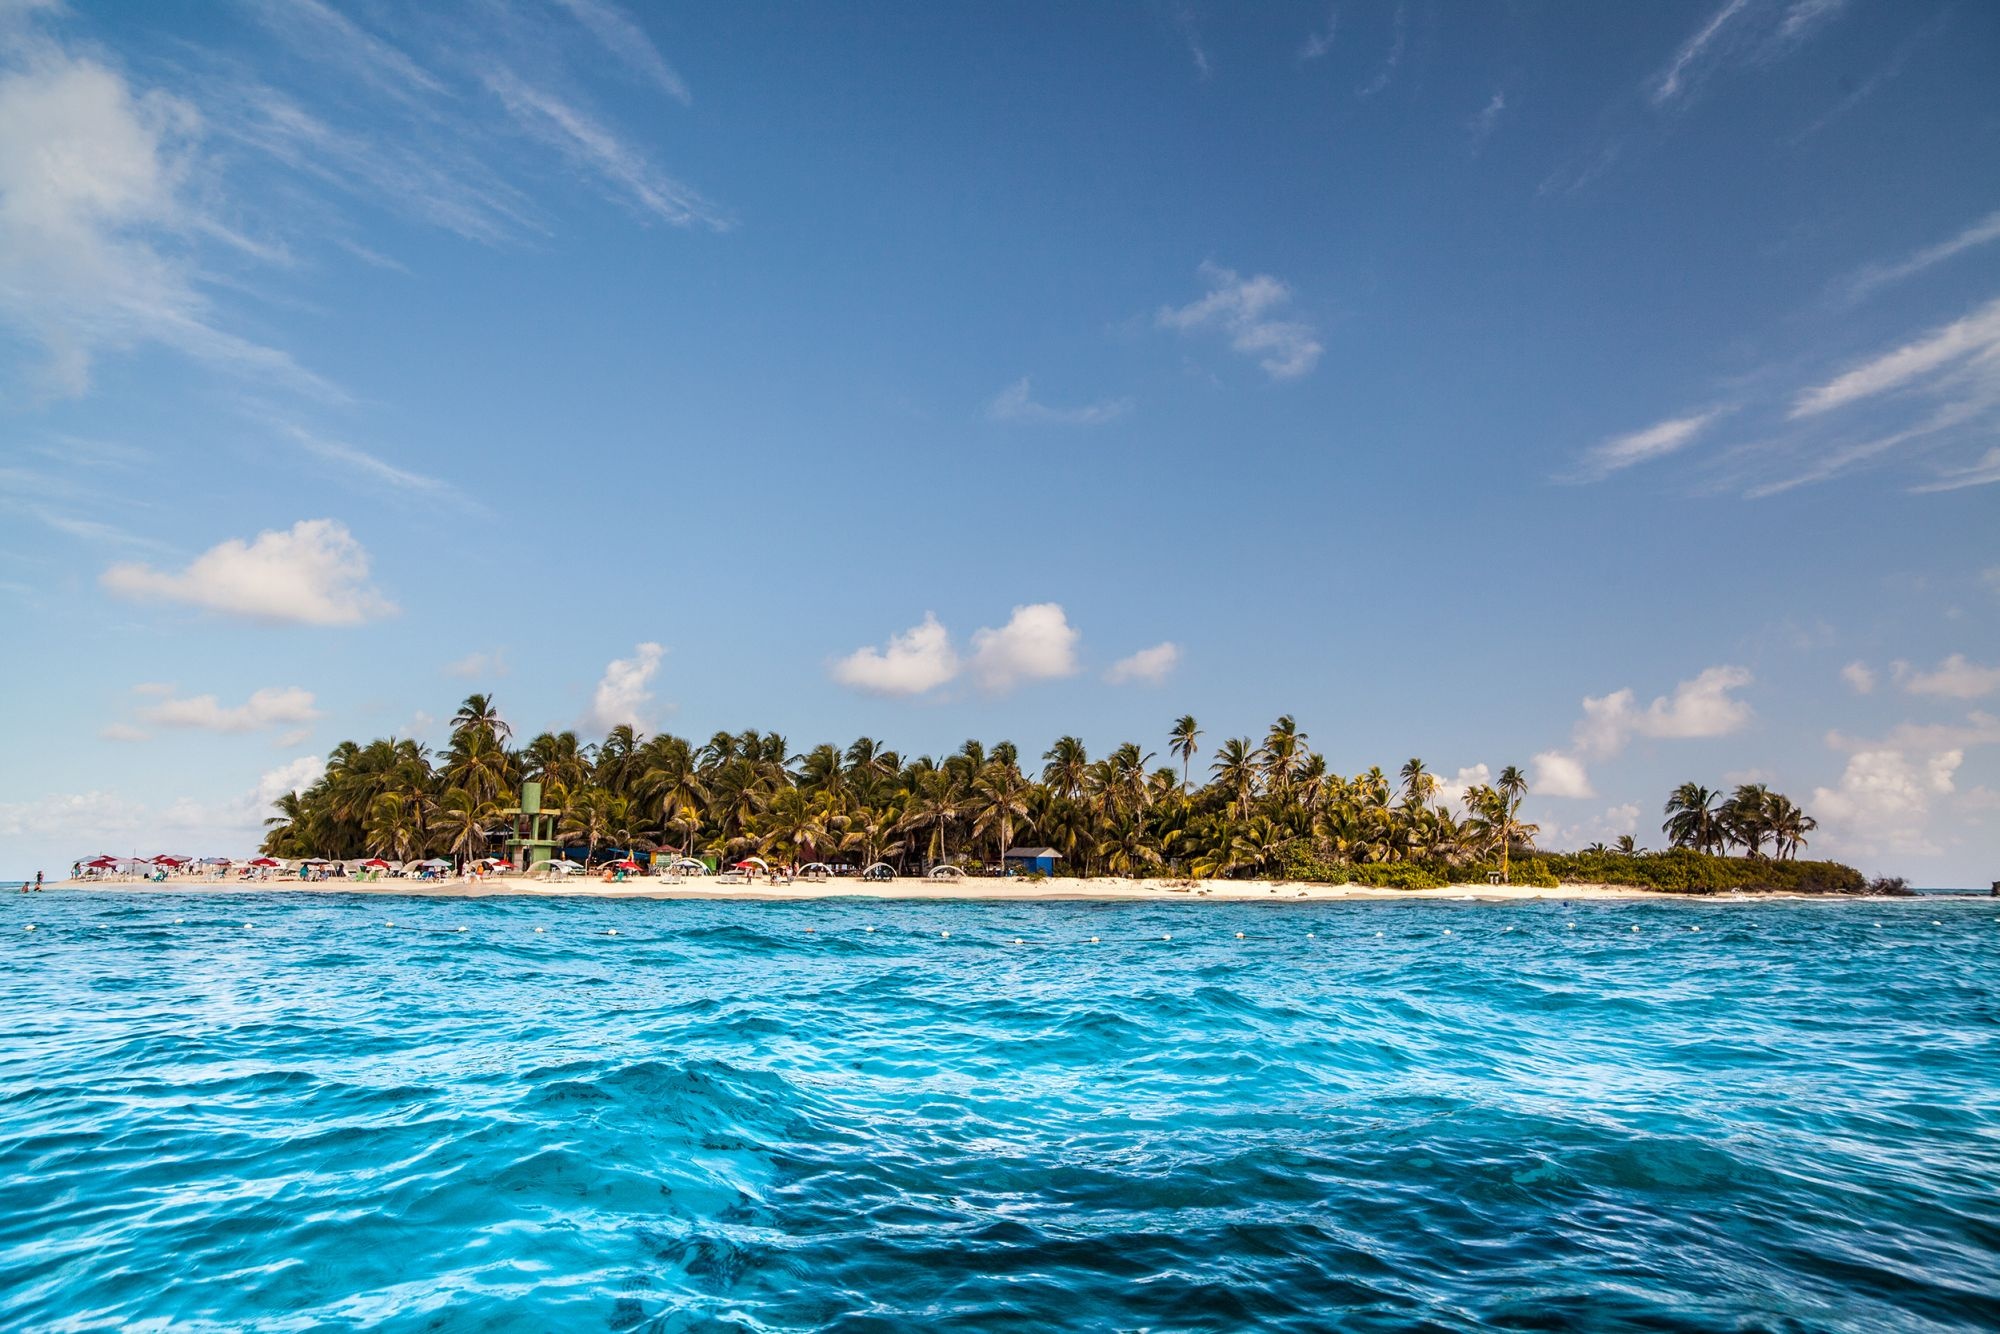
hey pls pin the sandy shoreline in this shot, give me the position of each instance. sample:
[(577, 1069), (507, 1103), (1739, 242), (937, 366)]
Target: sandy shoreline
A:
[(1059, 889)]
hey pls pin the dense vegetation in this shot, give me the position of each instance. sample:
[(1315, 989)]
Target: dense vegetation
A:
[(1269, 808)]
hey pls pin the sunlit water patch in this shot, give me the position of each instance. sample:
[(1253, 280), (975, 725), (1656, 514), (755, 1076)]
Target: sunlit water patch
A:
[(280, 1112)]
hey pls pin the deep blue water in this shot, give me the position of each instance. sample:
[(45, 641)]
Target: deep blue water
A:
[(753, 1116)]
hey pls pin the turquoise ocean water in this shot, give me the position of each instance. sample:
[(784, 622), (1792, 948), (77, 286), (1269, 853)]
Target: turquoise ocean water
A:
[(1433, 1116)]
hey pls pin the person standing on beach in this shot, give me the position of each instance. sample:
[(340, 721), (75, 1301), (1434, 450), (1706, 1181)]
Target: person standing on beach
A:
[(38, 882)]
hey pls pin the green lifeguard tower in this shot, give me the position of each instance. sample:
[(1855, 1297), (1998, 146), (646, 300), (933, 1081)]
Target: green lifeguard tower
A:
[(534, 836)]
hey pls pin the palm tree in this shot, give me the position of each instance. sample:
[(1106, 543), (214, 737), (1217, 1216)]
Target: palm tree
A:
[(1067, 767), (1693, 820), (479, 714), (1789, 826), (1418, 783), (1512, 787), (1181, 741), (464, 822), (590, 817), (1235, 769), (1628, 845), (934, 805), (999, 800), (1746, 818), (1282, 747)]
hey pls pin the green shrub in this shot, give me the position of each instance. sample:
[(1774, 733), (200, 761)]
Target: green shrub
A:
[(1681, 871)]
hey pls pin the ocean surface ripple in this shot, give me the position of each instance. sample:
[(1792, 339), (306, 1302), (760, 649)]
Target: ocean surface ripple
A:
[(280, 1112)]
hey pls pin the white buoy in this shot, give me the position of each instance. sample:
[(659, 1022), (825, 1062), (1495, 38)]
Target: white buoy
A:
[(29, 927), (612, 932), (388, 924), (1310, 936), (1635, 928), (1378, 935), (538, 930), (461, 928), (179, 920), (1504, 931), (249, 926), (1447, 931), (1239, 935), (1572, 926), (944, 935), (871, 930), (1694, 928), (809, 931), (1093, 940), (1935, 922), (1017, 940), (1166, 937)]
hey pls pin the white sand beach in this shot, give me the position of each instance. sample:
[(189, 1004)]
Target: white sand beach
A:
[(1055, 889)]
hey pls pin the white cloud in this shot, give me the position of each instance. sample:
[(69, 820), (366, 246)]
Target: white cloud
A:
[(1673, 81), (1957, 677), (359, 462), (1984, 472), (313, 574), (624, 39), (474, 666), (270, 707), (596, 150), (1554, 774), (919, 659), (1149, 665), (1249, 311), (56, 830), (1656, 441), (1875, 276), (624, 691), (123, 732), (1398, 41), (1016, 403), (1483, 124), (1319, 42), (1883, 802), (93, 179), (1190, 31), (1860, 677), (1702, 707), (1037, 644), (1974, 334), (1453, 790)]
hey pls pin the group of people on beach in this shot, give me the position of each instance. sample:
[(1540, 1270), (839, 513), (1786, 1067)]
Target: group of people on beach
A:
[(35, 888)]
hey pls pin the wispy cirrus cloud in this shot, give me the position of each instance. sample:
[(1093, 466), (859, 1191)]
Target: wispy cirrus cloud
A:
[(1656, 441), (1319, 41), (1016, 403), (1972, 336), (593, 148), (625, 39), (1675, 80), (1399, 38), (1875, 276)]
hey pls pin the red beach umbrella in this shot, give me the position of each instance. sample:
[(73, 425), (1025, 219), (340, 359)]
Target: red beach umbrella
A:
[(260, 861), (377, 863)]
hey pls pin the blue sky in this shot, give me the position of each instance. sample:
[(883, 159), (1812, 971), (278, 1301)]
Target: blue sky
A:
[(1609, 390)]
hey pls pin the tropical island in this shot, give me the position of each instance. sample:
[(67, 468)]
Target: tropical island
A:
[(1267, 811)]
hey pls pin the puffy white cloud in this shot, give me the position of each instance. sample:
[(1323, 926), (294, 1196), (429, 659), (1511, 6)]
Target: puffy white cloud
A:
[(1655, 441), (1883, 803), (919, 659), (624, 691), (1702, 707), (1860, 677), (1554, 774), (1148, 665), (1250, 312), (1037, 644), (1957, 677), (313, 574), (1016, 403), (1452, 791), (56, 830), (270, 707)]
